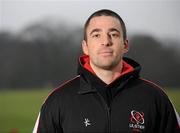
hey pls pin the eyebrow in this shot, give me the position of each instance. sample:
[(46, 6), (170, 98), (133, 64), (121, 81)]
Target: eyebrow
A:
[(110, 30), (114, 29), (95, 30)]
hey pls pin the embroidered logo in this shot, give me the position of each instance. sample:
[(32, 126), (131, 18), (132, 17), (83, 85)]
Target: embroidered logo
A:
[(137, 121), (87, 122)]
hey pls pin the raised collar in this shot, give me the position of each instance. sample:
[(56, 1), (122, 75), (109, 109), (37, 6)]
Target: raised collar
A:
[(91, 82)]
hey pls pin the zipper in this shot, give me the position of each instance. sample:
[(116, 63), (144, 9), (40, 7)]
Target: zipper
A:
[(109, 119), (108, 110)]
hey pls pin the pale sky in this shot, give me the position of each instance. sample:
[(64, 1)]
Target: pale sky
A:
[(160, 18)]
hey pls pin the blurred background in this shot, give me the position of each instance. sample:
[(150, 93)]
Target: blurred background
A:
[(40, 42)]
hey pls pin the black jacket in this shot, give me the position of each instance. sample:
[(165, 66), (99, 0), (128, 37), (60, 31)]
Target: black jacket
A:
[(86, 104)]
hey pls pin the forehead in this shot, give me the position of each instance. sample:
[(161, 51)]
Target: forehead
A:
[(104, 23)]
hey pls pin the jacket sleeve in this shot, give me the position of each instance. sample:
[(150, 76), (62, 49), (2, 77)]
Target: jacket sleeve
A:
[(169, 118), (48, 120)]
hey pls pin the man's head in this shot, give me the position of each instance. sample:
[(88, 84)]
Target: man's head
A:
[(105, 12), (105, 40)]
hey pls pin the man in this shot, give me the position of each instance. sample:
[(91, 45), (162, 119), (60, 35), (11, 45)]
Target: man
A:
[(108, 95)]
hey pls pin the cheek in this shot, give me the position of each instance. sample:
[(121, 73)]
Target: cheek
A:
[(119, 50), (92, 50), (92, 47), (89, 50)]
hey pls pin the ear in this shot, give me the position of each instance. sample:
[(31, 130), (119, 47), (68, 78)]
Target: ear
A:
[(126, 46), (85, 47)]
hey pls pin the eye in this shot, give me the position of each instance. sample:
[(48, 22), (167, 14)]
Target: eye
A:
[(114, 35), (96, 35)]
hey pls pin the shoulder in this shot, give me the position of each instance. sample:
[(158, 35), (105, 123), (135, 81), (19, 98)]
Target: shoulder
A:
[(151, 94), (153, 90), (152, 86), (69, 87)]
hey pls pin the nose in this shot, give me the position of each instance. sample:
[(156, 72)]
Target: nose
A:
[(106, 40)]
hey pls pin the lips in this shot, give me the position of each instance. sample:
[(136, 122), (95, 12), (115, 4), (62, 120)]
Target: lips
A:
[(105, 52)]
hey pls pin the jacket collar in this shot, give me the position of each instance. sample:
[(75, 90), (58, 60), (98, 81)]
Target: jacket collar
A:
[(89, 81)]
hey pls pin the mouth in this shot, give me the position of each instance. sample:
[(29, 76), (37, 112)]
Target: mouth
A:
[(106, 52)]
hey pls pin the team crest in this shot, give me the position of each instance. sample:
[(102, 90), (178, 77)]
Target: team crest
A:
[(137, 121)]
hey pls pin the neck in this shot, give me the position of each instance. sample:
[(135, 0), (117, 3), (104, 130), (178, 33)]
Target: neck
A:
[(107, 76)]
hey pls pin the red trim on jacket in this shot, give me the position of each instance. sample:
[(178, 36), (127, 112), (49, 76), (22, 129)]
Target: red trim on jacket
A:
[(87, 64), (59, 87), (154, 84)]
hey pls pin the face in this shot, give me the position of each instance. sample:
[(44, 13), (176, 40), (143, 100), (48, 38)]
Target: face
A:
[(105, 44)]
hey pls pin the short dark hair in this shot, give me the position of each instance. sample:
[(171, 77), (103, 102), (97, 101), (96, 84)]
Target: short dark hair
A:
[(105, 12)]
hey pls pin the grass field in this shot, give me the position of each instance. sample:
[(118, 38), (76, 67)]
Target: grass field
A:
[(19, 109)]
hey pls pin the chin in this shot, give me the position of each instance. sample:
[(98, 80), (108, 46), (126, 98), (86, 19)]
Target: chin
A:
[(107, 66)]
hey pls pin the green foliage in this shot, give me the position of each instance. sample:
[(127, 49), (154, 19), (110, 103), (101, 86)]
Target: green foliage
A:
[(19, 109)]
